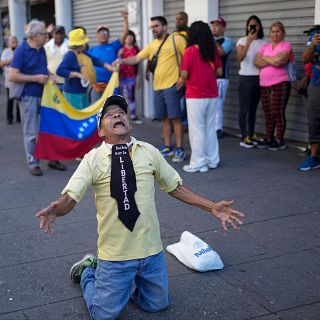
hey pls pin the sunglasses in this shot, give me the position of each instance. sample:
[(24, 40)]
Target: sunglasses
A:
[(104, 32)]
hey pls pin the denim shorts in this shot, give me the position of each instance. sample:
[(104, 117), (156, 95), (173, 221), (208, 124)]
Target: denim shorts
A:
[(167, 103), (108, 288)]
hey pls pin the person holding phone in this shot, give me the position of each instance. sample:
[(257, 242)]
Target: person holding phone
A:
[(248, 84), (311, 54), (224, 47)]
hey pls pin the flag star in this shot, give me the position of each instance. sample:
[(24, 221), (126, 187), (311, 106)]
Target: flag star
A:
[(80, 135), (81, 129), (85, 124), (91, 120)]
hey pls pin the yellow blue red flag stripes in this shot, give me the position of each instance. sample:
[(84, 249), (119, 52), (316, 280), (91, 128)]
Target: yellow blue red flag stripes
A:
[(66, 132)]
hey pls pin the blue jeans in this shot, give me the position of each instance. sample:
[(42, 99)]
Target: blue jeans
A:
[(29, 110), (108, 289)]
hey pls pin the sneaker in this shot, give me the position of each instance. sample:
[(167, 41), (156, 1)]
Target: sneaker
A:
[(136, 120), (212, 165), (276, 145), (179, 155), (219, 133), (264, 143), (89, 260), (166, 151), (188, 168), (310, 163), (247, 143), (254, 139)]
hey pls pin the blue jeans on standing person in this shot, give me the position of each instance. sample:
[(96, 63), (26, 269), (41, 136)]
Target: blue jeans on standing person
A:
[(108, 288), (29, 110)]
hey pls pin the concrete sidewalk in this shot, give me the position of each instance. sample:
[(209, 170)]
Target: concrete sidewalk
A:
[(271, 265)]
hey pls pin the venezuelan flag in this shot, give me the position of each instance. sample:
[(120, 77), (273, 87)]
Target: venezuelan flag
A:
[(66, 132)]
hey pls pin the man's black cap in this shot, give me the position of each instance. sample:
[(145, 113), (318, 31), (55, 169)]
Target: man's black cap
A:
[(311, 29), (60, 29), (111, 101)]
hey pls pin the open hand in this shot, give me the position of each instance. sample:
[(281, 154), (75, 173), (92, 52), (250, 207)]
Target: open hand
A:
[(225, 214), (47, 217)]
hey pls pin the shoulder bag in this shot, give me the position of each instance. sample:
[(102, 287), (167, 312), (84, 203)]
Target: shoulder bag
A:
[(154, 60)]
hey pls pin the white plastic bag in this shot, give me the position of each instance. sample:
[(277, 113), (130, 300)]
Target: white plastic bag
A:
[(195, 253)]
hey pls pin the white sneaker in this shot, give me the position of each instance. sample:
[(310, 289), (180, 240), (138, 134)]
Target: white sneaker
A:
[(212, 166), (188, 168)]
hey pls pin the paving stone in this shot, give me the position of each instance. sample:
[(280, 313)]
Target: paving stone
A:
[(306, 312), (282, 282), (34, 245), (203, 296)]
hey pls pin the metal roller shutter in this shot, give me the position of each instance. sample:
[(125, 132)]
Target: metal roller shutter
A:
[(296, 16), (3, 3), (91, 13), (171, 8)]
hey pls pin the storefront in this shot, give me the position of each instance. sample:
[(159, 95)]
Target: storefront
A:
[(294, 14)]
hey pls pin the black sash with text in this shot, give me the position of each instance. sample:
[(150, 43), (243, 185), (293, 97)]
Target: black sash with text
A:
[(123, 185)]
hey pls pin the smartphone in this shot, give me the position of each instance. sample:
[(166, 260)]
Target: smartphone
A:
[(253, 28)]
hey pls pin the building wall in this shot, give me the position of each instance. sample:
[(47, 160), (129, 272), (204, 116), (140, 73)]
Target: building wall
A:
[(91, 13), (171, 8)]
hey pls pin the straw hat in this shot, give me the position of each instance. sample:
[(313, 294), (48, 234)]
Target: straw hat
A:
[(77, 37)]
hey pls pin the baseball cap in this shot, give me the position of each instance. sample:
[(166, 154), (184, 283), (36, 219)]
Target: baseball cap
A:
[(220, 21), (311, 29), (111, 101), (59, 29), (103, 26)]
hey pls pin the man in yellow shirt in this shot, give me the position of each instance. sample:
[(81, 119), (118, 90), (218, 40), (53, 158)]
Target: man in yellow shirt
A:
[(131, 261), (166, 74)]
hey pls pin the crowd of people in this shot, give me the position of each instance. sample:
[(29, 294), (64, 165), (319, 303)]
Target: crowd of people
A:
[(190, 71)]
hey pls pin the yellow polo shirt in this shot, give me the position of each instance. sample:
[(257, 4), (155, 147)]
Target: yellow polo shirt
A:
[(115, 241), (167, 70)]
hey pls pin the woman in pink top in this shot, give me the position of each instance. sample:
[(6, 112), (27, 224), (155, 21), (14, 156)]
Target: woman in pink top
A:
[(200, 66), (275, 86)]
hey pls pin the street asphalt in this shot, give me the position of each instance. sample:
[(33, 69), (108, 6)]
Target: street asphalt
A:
[(271, 264)]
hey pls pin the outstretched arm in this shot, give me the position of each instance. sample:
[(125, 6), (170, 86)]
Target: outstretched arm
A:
[(221, 210), (56, 209), (125, 30)]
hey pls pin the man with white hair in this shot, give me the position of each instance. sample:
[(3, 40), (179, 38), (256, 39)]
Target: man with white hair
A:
[(29, 67)]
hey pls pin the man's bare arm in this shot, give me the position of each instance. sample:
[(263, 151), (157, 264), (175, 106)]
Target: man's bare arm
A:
[(131, 60), (16, 76), (125, 29), (221, 210)]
